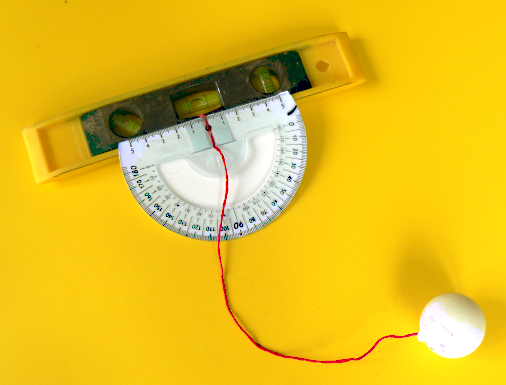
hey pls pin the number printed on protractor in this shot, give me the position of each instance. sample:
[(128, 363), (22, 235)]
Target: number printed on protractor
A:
[(174, 213)]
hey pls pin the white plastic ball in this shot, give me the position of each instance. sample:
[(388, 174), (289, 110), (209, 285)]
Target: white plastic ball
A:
[(452, 325)]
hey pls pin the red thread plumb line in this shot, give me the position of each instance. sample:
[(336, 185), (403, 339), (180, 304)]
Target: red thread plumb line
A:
[(340, 361)]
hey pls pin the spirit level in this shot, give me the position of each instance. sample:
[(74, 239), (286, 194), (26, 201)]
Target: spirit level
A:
[(89, 136)]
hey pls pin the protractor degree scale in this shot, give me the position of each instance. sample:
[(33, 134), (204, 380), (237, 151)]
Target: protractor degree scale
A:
[(178, 179)]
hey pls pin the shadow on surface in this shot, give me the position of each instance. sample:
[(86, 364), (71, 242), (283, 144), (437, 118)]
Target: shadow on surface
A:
[(421, 276), (495, 314)]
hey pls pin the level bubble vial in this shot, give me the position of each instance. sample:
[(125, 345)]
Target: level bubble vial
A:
[(265, 80), (124, 123), (197, 104)]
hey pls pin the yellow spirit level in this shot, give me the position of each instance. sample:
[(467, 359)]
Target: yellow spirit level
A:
[(88, 136)]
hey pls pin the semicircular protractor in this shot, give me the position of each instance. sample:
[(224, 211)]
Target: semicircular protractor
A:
[(178, 178)]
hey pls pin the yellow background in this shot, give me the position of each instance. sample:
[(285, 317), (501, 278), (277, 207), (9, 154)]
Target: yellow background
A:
[(403, 199)]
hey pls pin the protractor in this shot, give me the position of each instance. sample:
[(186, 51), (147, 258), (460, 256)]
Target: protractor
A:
[(178, 178)]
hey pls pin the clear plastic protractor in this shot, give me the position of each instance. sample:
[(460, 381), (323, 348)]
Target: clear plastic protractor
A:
[(177, 177)]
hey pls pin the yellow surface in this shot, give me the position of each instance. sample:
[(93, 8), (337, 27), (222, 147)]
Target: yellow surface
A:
[(408, 171)]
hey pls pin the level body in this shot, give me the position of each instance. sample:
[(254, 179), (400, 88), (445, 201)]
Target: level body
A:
[(61, 146)]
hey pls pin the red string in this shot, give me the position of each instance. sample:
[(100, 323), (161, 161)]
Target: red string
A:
[(208, 128)]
